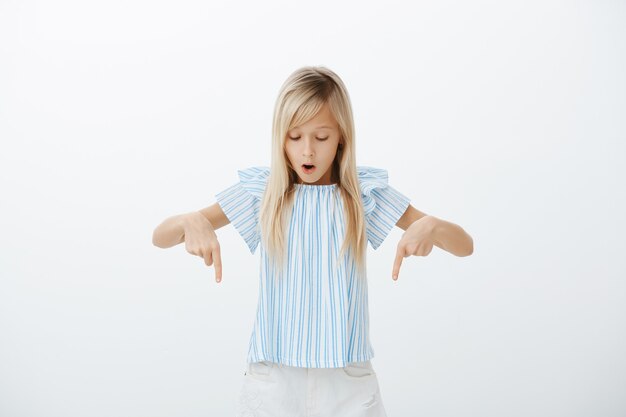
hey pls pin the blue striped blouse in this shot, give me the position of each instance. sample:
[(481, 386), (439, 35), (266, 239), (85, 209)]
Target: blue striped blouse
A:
[(315, 313)]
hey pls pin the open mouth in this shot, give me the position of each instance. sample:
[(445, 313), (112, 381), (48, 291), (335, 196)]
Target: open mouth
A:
[(308, 168)]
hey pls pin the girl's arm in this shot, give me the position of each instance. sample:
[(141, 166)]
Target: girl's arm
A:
[(446, 235), (420, 236), (409, 217), (171, 231), (451, 237)]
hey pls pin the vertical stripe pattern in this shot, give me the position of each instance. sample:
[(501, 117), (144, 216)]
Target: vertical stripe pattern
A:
[(314, 313)]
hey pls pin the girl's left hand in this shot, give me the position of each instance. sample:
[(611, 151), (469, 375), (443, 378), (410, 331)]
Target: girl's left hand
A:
[(416, 240)]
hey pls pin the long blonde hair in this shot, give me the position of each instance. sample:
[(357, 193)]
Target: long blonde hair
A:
[(300, 98)]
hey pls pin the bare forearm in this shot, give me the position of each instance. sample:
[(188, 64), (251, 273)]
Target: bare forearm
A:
[(451, 237), (170, 232)]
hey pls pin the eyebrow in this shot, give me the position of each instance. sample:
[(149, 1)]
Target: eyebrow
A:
[(318, 127)]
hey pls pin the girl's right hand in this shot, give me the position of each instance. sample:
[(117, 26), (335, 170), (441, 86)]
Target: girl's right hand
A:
[(201, 240)]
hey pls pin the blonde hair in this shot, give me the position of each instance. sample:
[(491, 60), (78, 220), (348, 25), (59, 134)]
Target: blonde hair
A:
[(300, 98)]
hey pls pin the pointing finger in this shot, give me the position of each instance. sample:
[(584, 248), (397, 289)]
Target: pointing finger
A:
[(218, 264), (397, 263)]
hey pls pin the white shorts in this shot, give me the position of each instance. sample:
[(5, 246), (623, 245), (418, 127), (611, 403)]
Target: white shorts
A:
[(276, 390)]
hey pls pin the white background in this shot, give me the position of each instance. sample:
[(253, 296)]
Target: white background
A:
[(506, 118)]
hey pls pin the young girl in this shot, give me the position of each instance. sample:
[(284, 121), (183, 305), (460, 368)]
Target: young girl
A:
[(312, 213)]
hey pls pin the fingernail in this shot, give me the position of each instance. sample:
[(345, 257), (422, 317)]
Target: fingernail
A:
[(395, 277)]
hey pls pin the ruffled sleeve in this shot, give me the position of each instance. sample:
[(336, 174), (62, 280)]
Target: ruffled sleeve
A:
[(383, 204), (241, 202)]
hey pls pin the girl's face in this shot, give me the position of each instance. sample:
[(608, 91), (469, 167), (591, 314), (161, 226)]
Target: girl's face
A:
[(314, 143)]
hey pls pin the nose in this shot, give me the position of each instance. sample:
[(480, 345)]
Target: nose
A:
[(308, 147)]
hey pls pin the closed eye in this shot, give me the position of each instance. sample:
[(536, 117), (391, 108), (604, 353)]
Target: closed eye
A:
[(322, 139)]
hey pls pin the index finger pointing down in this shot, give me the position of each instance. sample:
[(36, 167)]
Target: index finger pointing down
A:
[(218, 264), (397, 263)]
